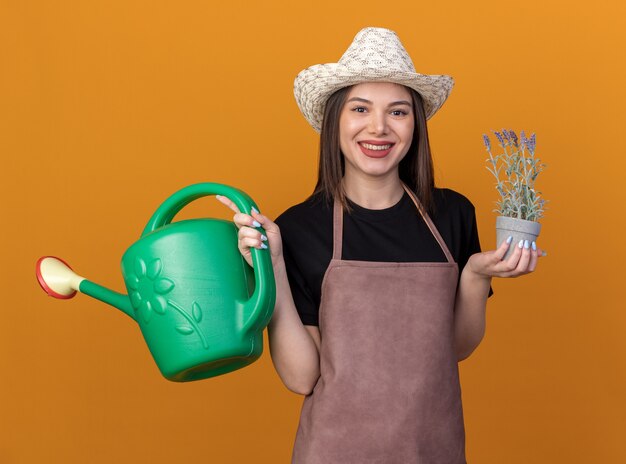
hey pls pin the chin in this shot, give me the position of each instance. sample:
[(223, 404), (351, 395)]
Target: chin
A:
[(382, 169)]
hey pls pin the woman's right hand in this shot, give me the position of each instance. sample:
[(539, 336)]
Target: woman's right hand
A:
[(250, 236), (294, 347)]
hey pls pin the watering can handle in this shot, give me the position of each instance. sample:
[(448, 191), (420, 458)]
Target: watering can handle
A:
[(262, 300), (171, 207)]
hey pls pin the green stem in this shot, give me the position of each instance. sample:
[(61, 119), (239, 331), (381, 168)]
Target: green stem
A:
[(190, 320)]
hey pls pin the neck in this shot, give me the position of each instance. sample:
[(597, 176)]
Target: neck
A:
[(373, 193)]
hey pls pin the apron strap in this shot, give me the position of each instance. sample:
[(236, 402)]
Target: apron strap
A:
[(337, 229), (338, 226), (429, 223)]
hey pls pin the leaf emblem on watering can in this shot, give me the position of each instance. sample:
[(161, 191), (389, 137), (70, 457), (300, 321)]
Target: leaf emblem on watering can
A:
[(147, 295), (148, 288), (197, 317)]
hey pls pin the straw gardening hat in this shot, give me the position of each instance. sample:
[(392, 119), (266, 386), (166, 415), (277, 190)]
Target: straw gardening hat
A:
[(375, 55)]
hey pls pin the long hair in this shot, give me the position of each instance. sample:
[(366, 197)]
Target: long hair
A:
[(416, 168)]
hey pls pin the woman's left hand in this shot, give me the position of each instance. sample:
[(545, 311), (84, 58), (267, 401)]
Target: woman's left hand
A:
[(522, 260)]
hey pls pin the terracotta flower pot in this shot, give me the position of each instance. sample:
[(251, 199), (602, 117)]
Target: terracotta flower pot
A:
[(520, 229)]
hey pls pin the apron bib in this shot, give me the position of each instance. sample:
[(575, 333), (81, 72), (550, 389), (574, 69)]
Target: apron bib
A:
[(388, 391)]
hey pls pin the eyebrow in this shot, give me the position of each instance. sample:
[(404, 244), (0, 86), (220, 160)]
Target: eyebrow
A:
[(363, 100)]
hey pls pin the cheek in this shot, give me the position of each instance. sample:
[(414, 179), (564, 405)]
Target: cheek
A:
[(348, 127), (406, 133), (347, 130), (343, 140)]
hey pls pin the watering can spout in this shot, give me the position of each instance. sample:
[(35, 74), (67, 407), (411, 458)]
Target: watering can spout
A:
[(59, 280), (118, 300)]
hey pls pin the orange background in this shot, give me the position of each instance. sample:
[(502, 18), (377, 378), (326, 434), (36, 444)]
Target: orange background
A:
[(108, 107)]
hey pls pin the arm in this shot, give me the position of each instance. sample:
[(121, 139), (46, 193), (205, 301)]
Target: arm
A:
[(294, 347), (469, 312), (471, 298)]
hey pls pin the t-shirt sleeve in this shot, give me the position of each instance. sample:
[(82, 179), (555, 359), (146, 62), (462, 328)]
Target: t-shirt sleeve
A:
[(302, 298), (472, 243), (302, 295)]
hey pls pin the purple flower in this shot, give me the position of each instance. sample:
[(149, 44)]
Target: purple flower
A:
[(506, 135), (499, 137), (487, 142), (532, 143), (522, 136), (513, 137)]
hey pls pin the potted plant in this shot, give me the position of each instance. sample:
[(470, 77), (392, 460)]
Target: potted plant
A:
[(520, 206)]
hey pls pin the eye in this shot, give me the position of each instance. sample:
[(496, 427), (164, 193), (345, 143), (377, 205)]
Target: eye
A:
[(359, 109), (399, 113)]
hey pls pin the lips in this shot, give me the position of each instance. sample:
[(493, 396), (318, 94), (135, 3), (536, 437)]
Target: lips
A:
[(375, 148)]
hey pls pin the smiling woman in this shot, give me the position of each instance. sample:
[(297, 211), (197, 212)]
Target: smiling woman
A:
[(376, 131), (381, 283), (415, 167)]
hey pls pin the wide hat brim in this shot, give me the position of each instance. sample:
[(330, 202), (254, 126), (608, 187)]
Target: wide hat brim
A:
[(313, 86)]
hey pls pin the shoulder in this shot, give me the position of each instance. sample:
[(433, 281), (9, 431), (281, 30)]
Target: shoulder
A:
[(311, 213), (451, 202), (453, 209)]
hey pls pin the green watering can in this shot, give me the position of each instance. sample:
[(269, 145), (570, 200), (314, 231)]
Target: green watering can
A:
[(200, 307)]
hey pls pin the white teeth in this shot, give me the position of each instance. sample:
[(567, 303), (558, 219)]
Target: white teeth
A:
[(376, 147)]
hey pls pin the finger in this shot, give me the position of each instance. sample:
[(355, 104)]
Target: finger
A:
[(534, 256), (540, 251), (510, 264), (227, 202), (265, 222), (502, 249), (248, 232), (522, 265), (250, 242), (242, 220)]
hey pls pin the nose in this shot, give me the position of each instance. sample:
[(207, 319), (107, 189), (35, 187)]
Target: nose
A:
[(378, 123)]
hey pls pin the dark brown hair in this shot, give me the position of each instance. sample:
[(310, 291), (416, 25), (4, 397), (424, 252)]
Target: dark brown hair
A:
[(415, 170)]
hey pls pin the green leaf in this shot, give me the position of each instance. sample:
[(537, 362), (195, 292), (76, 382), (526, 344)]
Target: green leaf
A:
[(197, 312), (185, 329)]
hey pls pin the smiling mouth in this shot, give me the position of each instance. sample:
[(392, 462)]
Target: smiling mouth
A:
[(370, 146), (375, 150)]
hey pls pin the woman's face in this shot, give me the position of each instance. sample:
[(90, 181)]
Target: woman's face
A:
[(376, 128)]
